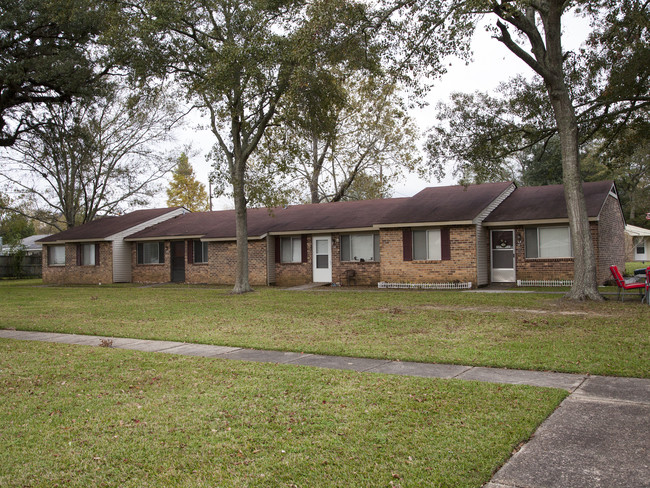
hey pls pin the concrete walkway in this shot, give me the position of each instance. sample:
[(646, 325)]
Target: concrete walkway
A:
[(599, 437)]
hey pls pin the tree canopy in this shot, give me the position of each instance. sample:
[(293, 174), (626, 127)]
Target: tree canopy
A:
[(185, 190), (352, 145), (92, 158), (236, 61), (50, 52)]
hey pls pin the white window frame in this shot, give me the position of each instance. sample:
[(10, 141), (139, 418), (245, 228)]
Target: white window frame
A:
[(295, 249), (639, 243), (432, 247), (539, 248), (50, 255), (347, 247)]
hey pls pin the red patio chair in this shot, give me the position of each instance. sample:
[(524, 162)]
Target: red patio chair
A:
[(646, 297), (623, 285)]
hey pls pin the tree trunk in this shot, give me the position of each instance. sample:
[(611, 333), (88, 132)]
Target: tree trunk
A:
[(241, 273), (547, 60), (242, 284), (585, 284), (315, 175)]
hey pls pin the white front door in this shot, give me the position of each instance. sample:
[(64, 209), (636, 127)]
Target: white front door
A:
[(502, 245), (322, 249)]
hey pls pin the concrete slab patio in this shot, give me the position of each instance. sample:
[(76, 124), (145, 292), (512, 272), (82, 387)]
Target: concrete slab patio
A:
[(599, 437)]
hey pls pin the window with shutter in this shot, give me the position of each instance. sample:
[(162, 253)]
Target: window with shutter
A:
[(427, 244)]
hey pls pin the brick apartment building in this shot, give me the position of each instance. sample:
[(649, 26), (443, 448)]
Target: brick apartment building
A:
[(478, 234)]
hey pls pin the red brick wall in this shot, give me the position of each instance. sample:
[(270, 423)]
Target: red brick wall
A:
[(294, 274), (83, 275), (461, 267), (610, 247), (222, 259), (367, 273), (151, 273)]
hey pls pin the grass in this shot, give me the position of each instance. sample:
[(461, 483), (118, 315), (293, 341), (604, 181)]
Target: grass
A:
[(80, 416), (631, 266), (526, 331)]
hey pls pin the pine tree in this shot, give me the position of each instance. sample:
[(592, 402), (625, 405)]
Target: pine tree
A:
[(184, 189)]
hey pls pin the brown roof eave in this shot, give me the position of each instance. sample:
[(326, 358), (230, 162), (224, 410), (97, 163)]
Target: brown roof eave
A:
[(510, 223), (162, 238)]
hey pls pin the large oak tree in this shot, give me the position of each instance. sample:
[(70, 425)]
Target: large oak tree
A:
[(532, 31), (236, 60)]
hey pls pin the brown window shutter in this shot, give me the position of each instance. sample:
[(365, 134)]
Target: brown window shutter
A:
[(278, 255), (140, 253), (407, 244), (161, 252), (445, 244), (79, 255), (303, 250), (96, 253), (190, 251)]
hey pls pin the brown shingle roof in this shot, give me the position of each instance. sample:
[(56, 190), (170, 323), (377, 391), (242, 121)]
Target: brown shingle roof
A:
[(547, 202), (445, 204), (438, 204), (294, 218), (107, 226)]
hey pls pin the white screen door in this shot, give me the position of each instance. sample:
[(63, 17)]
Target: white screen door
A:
[(503, 256), (322, 249)]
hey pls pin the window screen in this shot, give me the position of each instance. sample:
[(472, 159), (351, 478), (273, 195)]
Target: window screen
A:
[(291, 249), (548, 242), (151, 252), (56, 255), (88, 255), (426, 245), (200, 252)]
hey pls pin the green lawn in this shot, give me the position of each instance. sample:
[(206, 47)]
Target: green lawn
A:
[(528, 331), (81, 416)]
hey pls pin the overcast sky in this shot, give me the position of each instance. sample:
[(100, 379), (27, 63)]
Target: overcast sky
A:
[(492, 64)]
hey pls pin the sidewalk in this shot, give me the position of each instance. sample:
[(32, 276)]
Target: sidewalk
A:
[(599, 437)]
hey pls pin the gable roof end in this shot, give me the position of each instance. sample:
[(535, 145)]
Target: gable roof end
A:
[(533, 203), (105, 227)]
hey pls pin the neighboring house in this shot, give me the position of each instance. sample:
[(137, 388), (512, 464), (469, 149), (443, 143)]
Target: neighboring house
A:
[(30, 245), (96, 252), (637, 243), (475, 234)]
